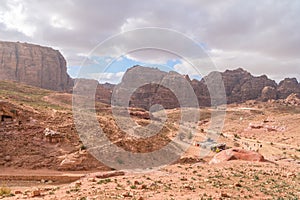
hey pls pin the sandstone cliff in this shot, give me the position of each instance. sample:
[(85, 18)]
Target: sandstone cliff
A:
[(34, 65)]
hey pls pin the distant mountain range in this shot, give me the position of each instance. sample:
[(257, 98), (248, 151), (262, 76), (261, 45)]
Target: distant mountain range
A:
[(46, 68), (239, 86)]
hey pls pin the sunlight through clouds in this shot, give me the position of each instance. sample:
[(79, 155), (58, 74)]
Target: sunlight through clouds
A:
[(260, 36), (15, 19)]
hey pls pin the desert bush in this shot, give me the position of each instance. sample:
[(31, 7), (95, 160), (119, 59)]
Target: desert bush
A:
[(5, 191)]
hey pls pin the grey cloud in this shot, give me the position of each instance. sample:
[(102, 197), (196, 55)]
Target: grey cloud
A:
[(267, 30)]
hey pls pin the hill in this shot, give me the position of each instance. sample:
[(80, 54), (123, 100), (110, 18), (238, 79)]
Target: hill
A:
[(29, 115)]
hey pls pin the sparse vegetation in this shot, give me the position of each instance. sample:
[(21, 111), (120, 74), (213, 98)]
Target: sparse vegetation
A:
[(104, 181), (237, 136), (202, 181), (5, 192), (83, 147), (133, 186)]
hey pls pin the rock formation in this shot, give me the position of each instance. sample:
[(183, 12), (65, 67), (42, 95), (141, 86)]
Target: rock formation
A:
[(34, 65), (268, 93), (46, 68), (237, 154), (292, 99), (287, 87), (239, 85), (144, 87)]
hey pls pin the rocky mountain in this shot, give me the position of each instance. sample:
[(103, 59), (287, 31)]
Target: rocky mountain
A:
[(34, 65), (45, 67), (239, 85), (147, 86)]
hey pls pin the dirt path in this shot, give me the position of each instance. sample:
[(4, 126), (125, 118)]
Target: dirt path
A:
[(35, 177)]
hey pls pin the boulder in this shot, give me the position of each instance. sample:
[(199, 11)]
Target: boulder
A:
[(36, 193), (256, 125), (72, 161), (237, 154), (109, 174), (140, 114), (53, 136), (7, 158)]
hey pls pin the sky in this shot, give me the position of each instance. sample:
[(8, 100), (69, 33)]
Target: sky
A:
[(261, 36)]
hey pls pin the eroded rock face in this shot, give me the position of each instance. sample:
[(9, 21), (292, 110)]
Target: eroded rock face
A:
[(239, 86), (268, 93), (145, 87), (287, 87), (34, 65), (293, 100)]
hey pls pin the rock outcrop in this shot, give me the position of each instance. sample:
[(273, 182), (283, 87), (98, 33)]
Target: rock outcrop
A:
[(237, 154), (34, 65), (241, 86), (145, 87), (268, 93), (287, 87), (293, 100)]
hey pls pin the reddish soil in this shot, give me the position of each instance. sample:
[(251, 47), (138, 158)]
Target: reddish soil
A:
[(32, 167)]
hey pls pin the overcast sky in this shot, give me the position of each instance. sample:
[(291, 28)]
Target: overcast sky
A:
[(261, 36)]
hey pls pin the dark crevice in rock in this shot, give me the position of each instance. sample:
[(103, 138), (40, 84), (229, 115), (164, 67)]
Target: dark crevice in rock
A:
[(17, 62), (42, 71)]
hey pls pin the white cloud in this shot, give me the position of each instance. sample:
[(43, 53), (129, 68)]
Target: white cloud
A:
[(151, 56), (107, 77), (198, 67), (59, 22), (186, 68), (15, 18), (133, 23), (257, 63), (260, 36)]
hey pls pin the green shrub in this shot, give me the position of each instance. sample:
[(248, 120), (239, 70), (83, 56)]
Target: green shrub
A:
[(5, 191)]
